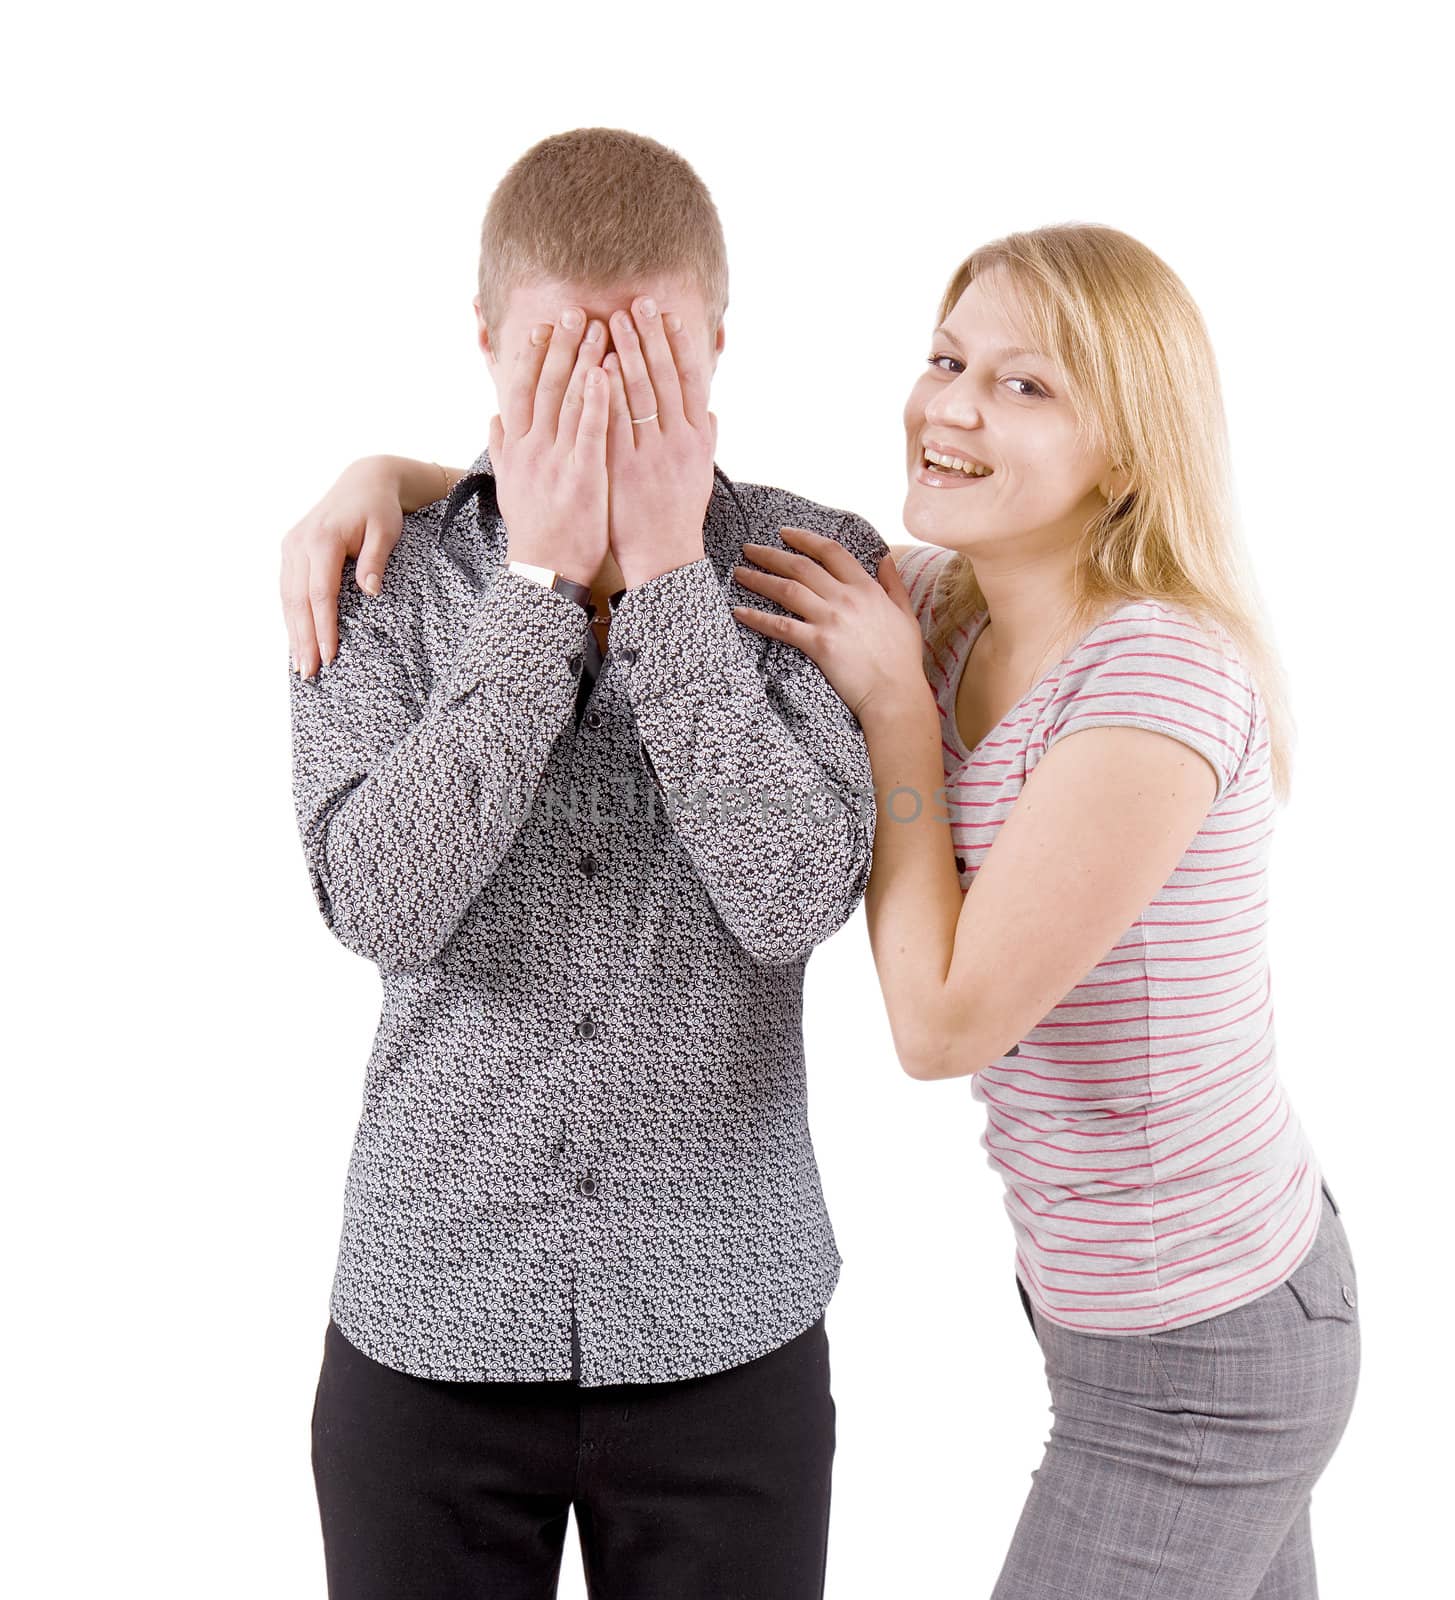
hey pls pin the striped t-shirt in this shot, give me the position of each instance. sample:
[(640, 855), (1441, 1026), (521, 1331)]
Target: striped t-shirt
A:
[(1155, 1172)]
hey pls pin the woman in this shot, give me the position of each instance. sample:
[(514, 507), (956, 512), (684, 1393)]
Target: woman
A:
[(1078, 923)]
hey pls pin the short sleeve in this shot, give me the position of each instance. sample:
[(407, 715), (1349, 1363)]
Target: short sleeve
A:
[(919, 570), (1152, 667)]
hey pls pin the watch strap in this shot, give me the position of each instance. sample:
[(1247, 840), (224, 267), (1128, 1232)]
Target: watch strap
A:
[(550, 579)]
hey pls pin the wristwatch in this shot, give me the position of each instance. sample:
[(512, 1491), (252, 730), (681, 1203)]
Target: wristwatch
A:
[(579, 592)]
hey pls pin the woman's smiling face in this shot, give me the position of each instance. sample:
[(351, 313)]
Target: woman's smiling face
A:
[(1008, 457)]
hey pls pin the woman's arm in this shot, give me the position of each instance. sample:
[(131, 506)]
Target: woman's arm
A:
[(913, 901), (420, 483), (1098, 828), (1132, 764), (362, 516)]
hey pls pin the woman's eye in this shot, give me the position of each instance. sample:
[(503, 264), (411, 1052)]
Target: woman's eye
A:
[(936, 360), (1030, 390)]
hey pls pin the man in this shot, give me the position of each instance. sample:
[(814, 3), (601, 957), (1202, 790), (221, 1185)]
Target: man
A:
[(584, 1257)]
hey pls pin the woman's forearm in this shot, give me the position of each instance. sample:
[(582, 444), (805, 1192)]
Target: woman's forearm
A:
[(913, 901), (417, 483)]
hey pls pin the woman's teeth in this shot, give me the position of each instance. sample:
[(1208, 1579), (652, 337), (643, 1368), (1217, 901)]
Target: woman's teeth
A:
[(955, 464)]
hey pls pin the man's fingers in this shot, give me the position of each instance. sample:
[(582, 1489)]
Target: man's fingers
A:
[(691, 373), (623, 435), (593, 347), (595, 410), (556, 372), (660, 362), (520, 386), (640, 395)]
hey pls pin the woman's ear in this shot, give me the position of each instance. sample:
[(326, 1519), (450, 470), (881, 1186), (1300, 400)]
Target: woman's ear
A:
[(1115, 484)]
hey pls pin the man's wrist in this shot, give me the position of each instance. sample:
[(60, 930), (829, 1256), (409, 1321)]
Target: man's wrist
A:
[(549, 578), (552, 557), (650, 566)]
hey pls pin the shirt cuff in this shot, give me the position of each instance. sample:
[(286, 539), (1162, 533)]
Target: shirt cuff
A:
[(676, 630), (521, 633)]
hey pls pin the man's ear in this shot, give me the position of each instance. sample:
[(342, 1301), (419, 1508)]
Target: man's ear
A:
[(482, 334), (718, 341)]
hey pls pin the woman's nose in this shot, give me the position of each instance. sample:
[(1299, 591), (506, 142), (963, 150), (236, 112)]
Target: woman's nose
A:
[(952, 410)]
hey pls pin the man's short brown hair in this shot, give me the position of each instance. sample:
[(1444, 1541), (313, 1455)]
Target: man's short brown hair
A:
[(600, 206)]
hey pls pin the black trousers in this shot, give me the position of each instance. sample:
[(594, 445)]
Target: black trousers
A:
[(708, 1489)]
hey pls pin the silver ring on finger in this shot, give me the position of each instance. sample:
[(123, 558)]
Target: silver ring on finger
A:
[(636, 422)]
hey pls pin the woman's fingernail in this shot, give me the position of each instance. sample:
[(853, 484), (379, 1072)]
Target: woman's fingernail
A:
[(371, 583)]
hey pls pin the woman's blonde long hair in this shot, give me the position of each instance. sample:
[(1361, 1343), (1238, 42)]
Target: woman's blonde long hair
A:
[(1140, 367)]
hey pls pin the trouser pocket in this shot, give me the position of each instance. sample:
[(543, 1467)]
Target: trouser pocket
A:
[(1324, 1283)]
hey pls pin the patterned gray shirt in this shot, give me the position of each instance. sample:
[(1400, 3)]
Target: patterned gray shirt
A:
[(583, 1149)]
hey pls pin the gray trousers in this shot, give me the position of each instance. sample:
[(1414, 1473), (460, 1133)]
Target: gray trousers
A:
[(1180, 1464)]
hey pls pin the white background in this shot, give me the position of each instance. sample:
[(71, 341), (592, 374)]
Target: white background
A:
[(241, 251)]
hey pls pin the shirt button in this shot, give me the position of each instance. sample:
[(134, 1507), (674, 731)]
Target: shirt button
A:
[(586, 1184), (627, 654), (574, 661), (587, 1026), (959, 863), (1348, 1294), (593, 719), (588, 864)]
